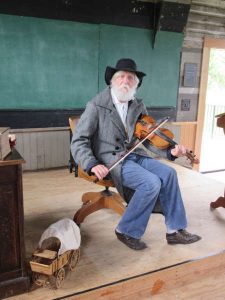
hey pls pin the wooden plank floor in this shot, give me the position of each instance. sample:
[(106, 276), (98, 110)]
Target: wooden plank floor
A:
[(198, 279), (52, 195)]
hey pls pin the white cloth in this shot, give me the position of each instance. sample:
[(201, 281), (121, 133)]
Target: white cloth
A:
[(66, 231)]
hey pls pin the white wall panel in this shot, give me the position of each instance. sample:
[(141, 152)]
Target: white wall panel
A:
[(43, 148)]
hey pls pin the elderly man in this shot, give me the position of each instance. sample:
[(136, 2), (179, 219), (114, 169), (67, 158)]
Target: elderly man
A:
[(104, 132)]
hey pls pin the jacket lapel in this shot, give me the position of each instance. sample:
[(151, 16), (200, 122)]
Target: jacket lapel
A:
[(116, 120), (107, 102), (134, 111)]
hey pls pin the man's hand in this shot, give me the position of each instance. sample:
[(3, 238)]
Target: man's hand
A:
[(100, 171), (179, 151)]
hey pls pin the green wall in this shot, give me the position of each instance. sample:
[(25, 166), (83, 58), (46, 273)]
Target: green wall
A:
[(161, 64), (60, 64)]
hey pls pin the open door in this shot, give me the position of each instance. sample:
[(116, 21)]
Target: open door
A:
[(209, 149)]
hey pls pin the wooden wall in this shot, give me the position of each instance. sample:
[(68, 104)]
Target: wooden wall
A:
[(43, 148), (206, 19)]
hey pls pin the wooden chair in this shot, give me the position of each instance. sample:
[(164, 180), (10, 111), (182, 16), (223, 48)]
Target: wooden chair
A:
[(93, 201)]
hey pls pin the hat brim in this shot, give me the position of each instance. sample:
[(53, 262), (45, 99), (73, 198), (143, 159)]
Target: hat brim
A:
[(109, 72)]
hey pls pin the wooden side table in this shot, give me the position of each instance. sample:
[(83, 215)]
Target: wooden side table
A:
[(13, 274), (220, 202)]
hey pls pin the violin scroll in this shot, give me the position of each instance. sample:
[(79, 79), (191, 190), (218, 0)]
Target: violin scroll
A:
[(192, 157)]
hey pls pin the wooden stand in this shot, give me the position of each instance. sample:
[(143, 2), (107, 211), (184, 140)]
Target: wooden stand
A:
[(220, 202), (13, 276), (93, 201)]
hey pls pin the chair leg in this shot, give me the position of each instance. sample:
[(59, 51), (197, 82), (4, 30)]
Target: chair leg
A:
[(94, 201)]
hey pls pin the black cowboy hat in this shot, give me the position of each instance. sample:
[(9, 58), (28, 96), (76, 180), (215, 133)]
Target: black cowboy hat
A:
[(123, 64)]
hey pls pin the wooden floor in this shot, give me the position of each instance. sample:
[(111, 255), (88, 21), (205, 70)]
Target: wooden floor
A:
[(161, 271)]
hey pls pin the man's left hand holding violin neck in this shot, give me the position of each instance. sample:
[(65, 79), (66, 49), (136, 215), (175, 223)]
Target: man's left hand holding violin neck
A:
[(179, 151)]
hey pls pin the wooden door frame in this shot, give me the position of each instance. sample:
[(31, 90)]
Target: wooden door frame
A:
[(208, 44)]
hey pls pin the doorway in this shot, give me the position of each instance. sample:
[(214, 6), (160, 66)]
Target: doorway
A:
[(213, 139), (210, 139)]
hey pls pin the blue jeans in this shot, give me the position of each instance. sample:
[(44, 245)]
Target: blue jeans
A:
[(150, 179)]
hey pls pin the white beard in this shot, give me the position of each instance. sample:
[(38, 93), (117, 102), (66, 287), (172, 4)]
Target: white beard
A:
[(123, 93)]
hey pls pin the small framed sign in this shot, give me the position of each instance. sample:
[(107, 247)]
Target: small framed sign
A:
[(185, 104), (190, 74)]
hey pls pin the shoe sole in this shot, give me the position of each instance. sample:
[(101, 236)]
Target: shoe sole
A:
[(184, 243)]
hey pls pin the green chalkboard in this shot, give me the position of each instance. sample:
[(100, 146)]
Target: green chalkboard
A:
[(161, 64), (61, 64), (47, 63)]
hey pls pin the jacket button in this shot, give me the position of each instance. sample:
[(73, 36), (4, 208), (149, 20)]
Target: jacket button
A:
[(117, 139), (117, 148), (113, 153)]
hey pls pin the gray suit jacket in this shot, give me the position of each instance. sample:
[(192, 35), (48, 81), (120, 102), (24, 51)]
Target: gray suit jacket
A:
[(100, 136)]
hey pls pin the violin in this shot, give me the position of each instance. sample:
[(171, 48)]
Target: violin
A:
[(162, 138)]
